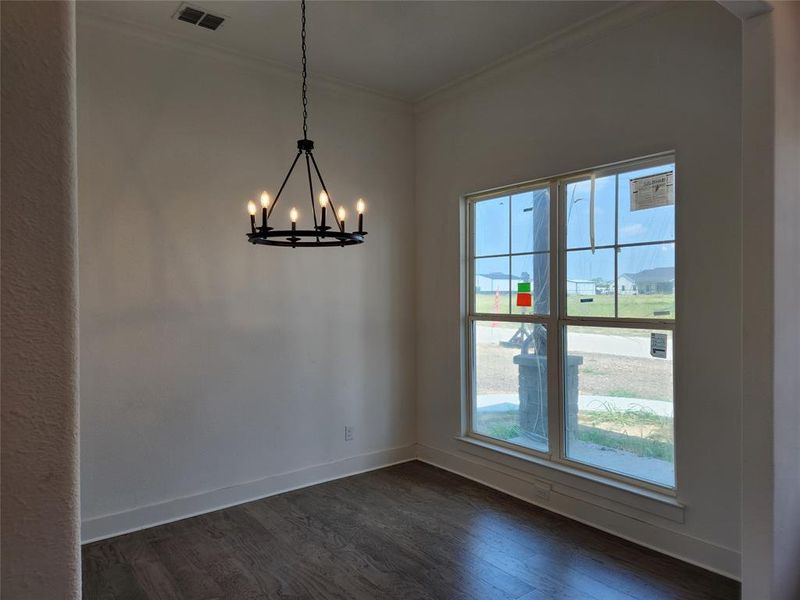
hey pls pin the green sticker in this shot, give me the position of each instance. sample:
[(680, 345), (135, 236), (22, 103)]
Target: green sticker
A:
[(525, 286)]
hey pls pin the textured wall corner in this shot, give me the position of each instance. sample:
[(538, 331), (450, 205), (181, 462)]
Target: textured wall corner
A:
[(40, 512)]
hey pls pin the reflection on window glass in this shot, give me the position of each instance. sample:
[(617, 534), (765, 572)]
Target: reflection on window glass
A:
[(511, 382), (492, 285), (646, 282), (578, 212), (645, 273), (530, 221), (530, 284), (618, 401), (654, 224), (491, 226), (590, 283)]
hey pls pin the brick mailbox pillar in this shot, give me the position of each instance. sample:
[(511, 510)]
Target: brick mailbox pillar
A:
[(533, 394)]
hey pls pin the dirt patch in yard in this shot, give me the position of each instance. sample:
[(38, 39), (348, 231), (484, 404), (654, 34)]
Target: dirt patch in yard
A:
[(625, 376), (599, 375)]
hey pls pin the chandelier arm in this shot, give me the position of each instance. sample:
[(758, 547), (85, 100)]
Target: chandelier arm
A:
[(330, 200), (311, 191), (283, 185)]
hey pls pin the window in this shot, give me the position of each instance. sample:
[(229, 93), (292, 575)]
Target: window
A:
[(571, 350), (511, 273)]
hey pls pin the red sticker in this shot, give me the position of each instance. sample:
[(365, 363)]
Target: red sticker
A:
[(523, 299)]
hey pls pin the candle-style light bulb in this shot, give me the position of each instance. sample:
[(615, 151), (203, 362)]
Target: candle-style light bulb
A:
[(293, 217), (323, 202), (251, 208), (360, 206), (342, 214), (264, 207)]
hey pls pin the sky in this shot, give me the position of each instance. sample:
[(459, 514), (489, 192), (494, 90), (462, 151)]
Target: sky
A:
[(525, 228)]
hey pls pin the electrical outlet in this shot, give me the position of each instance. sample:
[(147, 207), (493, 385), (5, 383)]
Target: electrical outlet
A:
[(348, 433)]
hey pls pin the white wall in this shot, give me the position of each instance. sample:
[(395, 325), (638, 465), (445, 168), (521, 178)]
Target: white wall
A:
[(771, 178), (670, 81), (758, 189), (40, 516), (212, 370), (786, 449)]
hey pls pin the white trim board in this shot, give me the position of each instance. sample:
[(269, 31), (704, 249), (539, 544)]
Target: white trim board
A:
[(702, 553), (143, 517), (86, 16), (626, 499), (579, 34)]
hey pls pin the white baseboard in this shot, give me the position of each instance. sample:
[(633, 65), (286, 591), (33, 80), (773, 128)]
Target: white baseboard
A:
[(673, 543), (702, 553), (142, 517)]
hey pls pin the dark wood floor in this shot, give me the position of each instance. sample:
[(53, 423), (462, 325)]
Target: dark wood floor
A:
[(409, 532)]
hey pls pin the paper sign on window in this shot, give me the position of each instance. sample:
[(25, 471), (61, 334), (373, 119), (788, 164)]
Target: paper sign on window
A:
[(658, 345), (524, 294), (652, 191)]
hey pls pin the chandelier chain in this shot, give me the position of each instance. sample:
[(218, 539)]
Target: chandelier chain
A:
[(305, 86)]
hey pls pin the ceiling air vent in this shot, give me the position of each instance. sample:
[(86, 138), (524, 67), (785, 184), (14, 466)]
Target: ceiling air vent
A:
[(199, 17), (210, 21)]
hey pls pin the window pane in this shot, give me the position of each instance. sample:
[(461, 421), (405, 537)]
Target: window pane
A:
[(578, 213), (491, 226), (511, 382), (590, 283), (492, 285), (645, 225), (530, 221), (618, 401), (646, 282), (530, 284)]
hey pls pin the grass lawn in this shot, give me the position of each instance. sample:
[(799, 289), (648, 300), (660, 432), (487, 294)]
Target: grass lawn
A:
[(500, 425), (644, 306), (638, 432)]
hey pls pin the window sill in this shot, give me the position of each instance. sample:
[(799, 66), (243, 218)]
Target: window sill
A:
[(575, 483)]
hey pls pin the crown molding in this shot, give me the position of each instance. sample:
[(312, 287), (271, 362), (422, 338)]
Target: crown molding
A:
[(580, 34), (746, 9), (87, 16)]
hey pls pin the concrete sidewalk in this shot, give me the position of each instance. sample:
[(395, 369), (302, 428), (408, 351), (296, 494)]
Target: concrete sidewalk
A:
[(637, 346)]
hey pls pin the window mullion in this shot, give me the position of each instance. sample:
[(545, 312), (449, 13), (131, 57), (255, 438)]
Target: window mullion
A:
[(555, 396), (616, 245), (510, 246)]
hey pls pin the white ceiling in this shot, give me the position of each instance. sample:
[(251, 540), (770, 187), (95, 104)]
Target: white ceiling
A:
[(404, 49)]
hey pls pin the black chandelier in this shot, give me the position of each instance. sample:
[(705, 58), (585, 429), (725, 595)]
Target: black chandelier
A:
[(322, 234)]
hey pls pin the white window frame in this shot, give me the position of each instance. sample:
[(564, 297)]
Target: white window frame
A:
[(557, 321)]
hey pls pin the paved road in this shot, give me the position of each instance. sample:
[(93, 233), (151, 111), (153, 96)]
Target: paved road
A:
[(618, 345)]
